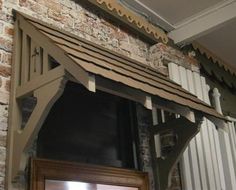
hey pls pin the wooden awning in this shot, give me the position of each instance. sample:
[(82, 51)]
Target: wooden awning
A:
[(45, 58), (101, 62)]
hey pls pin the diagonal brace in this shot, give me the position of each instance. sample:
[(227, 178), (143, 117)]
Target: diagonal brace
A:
[(185, 130), (46, 97)]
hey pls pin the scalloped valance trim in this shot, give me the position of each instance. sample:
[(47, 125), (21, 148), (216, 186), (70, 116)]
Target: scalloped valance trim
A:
[(132, 18), (214, 58)]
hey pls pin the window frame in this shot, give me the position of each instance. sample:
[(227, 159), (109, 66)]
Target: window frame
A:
[(43, 169)]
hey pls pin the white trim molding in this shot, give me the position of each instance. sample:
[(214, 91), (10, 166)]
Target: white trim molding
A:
[(204, 23)]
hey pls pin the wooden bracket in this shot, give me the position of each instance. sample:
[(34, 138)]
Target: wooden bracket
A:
[(184, 130), (57, 53), (40, 69), (23, 138), (39, 81), (124, 91)]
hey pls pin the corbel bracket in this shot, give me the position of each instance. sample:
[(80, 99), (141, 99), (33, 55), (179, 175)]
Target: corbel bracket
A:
[(23, 138), (184, 130)]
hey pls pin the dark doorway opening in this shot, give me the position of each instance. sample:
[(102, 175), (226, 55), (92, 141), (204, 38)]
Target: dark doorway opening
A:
[(89, 127)]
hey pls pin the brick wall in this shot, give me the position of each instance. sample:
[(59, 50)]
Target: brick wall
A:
[(3, 134), (144, 122), (160, 55), (79, 19)]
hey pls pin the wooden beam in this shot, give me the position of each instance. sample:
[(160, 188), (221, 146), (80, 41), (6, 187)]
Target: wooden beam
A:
[(39, 81), (124, 91), (204, 23), (23, 138), (45, 62), (148, 102), (174, 108), (25, 59), (14, 108), (33, 58), (91, 83)]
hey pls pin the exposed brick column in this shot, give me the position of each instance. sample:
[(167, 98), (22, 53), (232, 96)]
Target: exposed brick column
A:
[(144, 122)]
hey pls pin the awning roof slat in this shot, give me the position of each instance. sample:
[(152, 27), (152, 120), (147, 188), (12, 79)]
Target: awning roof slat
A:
[(111, 65), (118, 64), (76, 49), (43, 27), (128, 74)]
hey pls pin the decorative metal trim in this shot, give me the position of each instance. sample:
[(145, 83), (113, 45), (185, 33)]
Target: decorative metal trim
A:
[(132, 18), (215, 58)]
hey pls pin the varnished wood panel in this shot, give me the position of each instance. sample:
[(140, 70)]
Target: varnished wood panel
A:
[(41, 170)]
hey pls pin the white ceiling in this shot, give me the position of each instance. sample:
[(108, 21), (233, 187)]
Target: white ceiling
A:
[(191, 7), (212, 23)]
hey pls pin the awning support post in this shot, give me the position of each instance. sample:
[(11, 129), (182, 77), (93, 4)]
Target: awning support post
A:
[(184, 130), (32, 76)]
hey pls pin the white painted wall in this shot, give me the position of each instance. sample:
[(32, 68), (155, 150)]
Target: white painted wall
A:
[(209, 161)]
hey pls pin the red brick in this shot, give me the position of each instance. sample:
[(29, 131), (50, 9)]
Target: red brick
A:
[(23, 3), (9, 31), (5, 71), (53, 5), (8, 59), (55, 15), (5, 57), (5, 44), (192, 60)]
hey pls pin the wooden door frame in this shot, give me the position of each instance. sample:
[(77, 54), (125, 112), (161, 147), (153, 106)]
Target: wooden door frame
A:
[(42, 169)]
